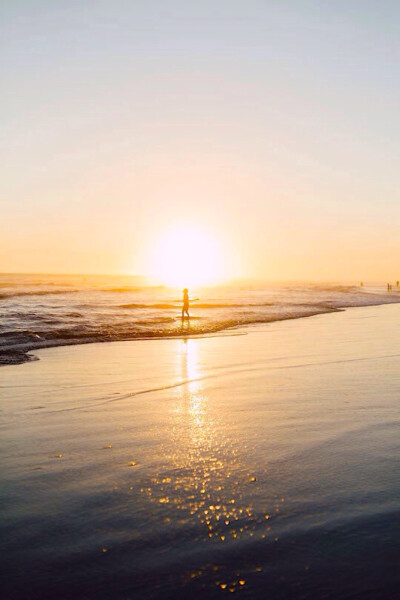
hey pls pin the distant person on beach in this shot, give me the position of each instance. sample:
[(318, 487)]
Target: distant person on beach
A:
[(185, 307)]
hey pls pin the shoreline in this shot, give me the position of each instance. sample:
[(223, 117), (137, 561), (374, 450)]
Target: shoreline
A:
[(22, 353), (17, 355)]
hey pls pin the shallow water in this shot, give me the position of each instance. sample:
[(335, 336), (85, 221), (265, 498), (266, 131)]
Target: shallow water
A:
[(263, 464), (39, 311)]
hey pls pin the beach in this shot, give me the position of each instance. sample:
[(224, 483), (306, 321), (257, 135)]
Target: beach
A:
[(262, 461)]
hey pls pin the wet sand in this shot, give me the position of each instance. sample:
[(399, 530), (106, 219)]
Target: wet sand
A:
[(263, 464)]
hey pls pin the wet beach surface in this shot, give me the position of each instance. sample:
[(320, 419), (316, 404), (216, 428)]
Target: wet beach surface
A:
[(263, 464)]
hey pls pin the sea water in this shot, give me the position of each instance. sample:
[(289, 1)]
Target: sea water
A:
[(39, 311)]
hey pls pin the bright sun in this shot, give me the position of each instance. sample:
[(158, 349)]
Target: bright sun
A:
[(186, 257)]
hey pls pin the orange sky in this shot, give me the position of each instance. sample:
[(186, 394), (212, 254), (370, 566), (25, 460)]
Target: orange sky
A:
[(271, 130)]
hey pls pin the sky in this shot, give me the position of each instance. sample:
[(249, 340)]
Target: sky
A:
[(270, 128)]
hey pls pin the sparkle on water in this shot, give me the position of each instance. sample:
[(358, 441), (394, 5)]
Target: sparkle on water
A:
[(207, 480)]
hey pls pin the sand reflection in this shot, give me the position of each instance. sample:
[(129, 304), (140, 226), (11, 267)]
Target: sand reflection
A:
[(190, 405)]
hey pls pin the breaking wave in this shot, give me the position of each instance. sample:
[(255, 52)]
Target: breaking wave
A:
[(16, 294)]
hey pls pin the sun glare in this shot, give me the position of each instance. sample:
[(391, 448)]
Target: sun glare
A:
[(187, 257)]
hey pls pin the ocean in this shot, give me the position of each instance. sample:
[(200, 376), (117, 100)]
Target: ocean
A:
[(38, 311)]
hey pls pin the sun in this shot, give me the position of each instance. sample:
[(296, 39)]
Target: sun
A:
[(186, 257)]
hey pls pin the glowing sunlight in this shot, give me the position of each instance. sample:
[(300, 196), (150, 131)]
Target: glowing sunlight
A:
[(186, 257)]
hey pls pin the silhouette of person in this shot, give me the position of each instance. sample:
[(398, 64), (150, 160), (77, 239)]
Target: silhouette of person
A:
[(185, 307)]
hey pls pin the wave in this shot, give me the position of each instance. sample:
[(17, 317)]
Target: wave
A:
[(117, 290), (130, 288), (335, 288), (155, 321), (37, 293), (135, 305), (177, 304)]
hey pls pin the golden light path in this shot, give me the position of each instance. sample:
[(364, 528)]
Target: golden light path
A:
[(206, 480)]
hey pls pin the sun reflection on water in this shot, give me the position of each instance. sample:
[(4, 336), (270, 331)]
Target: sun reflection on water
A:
[(206, 484)]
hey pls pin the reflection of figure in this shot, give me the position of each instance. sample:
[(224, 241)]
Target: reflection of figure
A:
[(185, 307)]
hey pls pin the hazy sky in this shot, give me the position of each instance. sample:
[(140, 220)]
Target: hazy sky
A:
[(274, 126)]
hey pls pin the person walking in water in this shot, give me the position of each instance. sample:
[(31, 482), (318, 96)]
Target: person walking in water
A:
[(185, 307)]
